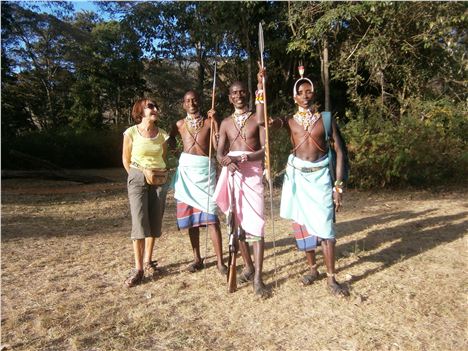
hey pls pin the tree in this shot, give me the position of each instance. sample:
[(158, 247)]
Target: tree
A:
[(389, 50), (36, 44)]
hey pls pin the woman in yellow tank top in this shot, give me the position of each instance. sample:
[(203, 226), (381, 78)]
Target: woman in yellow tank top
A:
[(144, 146)]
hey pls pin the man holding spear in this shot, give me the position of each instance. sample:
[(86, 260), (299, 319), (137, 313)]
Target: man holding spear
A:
[(313, 183), (241, 152), (195, 178)]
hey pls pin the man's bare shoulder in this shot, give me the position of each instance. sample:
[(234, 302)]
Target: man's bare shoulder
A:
[(180, 123), (226, 120)]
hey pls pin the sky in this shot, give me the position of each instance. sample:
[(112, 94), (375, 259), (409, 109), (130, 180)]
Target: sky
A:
[(79, 6), (84, 5)]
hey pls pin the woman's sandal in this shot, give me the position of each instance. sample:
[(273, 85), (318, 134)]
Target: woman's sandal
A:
[(134, 278), (150, 268)]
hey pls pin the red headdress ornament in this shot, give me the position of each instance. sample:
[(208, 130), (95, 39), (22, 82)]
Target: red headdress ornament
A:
[(301, 73)]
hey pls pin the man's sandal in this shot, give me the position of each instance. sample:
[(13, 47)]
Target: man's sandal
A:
[(134, 278), (222, 270), (261, 290), (337, 289), (245, 277), (195, 266), (309, 279)]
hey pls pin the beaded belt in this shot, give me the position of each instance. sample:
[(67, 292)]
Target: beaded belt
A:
[(307, 169)]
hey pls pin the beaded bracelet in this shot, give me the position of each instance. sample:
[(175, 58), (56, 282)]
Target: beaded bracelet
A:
[(339, 183), (337, 189), (259, 97)]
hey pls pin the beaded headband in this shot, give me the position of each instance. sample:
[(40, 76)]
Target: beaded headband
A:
[(301, 73)]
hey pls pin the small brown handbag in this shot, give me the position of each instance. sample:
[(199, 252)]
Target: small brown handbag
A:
[(156, 176)]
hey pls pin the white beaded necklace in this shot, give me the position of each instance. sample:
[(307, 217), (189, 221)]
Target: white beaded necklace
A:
[(306, 118), (241, 120), (194, 124)]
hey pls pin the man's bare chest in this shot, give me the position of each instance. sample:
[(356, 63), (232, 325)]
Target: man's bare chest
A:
[(246, 130), (299, 132), (190, 135)]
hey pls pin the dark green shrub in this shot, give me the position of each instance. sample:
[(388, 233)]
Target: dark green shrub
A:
[(426, 146), (67, 148)]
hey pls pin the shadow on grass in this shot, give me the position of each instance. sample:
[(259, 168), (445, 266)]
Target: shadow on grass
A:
[(409, 239)]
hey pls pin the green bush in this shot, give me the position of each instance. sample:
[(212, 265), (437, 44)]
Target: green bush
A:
[(425, 146), (67, 148)]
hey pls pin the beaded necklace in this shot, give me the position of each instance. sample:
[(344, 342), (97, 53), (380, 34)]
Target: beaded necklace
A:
[(241, 119), (194, 124), (306, 118)]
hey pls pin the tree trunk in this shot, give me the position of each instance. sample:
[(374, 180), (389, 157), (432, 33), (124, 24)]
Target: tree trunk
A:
[(325, 74), (382, 84), (249, 78), (249, 63), (201, 68)]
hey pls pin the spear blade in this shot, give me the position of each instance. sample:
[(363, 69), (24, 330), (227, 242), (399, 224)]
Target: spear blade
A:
[(261, 43), (214, 88)]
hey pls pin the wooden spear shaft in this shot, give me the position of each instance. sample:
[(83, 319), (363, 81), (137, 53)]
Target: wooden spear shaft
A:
[(209, 158), (267, 147)]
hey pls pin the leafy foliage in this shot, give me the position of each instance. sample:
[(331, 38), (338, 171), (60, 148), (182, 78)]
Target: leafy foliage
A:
[(426, 147), (397, 69)]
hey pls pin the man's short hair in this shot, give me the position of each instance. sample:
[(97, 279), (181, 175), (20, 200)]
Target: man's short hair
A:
[(194, 92), (237, 83)]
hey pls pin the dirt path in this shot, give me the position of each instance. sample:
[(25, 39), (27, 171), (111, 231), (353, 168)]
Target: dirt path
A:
[(66, 252)]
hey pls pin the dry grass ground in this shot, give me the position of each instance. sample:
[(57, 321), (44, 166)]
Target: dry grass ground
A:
[(66, 252)]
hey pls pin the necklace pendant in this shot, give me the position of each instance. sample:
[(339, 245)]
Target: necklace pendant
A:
[(241, 120), (194, 124)]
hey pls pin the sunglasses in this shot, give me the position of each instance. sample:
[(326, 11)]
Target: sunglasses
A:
[(152, 106)]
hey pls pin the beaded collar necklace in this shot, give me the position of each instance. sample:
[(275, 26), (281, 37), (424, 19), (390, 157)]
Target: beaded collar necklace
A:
[(306, 118), (240, 119), (194, 124)]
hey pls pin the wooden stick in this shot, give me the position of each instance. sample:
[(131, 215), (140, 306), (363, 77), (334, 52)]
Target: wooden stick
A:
[(209, 159), (267, 148), (233, 241)]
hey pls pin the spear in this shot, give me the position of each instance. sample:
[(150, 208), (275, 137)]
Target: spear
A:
[(261, 45), (209, 157)]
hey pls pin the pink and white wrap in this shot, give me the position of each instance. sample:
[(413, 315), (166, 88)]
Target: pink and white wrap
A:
[(248, 194)]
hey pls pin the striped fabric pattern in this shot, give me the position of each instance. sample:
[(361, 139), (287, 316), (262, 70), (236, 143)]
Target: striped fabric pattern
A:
[(304, 240), (191, 217)]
